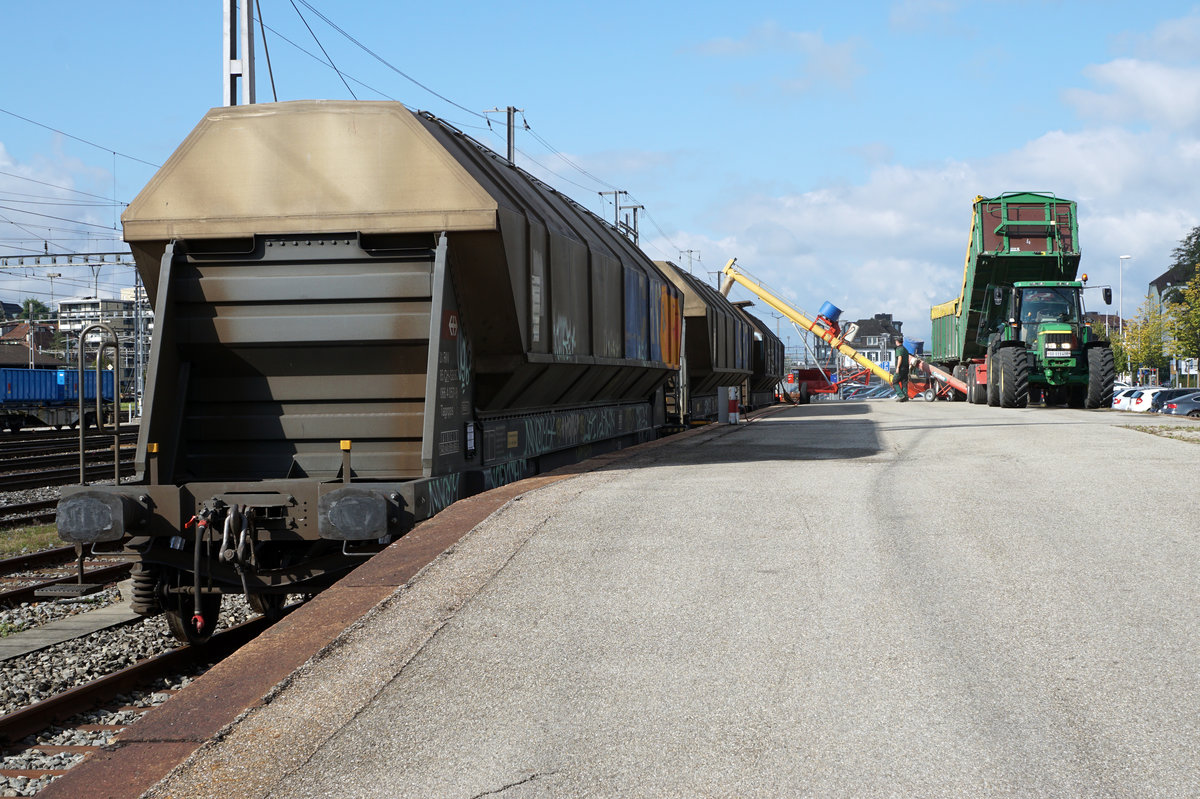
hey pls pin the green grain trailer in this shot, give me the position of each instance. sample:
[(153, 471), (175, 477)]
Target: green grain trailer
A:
[(1016, 328)]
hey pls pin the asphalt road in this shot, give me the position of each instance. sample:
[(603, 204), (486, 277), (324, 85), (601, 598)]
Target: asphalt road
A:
[(839, 600)]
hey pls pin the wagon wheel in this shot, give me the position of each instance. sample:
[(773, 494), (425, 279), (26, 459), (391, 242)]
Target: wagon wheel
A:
[(268, 605), (178, 608)]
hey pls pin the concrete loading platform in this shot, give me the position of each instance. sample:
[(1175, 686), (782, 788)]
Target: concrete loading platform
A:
[(775, 609)]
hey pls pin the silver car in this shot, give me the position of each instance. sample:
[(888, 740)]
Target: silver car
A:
[(1187, 405)]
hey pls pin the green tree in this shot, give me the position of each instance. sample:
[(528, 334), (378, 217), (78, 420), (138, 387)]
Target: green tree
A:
[(34, 309), (1186, 257), (1145, 336)]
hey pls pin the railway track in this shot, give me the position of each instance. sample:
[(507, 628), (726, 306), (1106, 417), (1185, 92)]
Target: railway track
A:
[(24, 514), (27, 734), (96, 470), (50, 448), (51, 458), (23, 575), (43, 441)]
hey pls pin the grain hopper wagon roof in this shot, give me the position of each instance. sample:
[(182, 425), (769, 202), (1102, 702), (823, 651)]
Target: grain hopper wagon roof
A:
[(304, 167), (311, 166), (335, 166)]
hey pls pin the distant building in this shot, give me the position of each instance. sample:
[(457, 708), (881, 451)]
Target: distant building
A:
[(10, 310), (14, 347), (1175, 276), (18, 332), (1102, 322), (873, 340), (129, 318), (75, 315)]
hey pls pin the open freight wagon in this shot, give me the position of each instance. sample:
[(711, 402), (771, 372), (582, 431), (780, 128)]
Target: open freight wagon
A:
[(362, 315), (50, 398)]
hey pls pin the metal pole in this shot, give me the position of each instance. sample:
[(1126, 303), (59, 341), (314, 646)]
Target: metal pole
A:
[(238, 52), (116, 347), (1121, 312), (512, 121), (616, 193)]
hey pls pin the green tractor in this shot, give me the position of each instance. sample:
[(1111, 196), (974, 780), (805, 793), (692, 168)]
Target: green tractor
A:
[(1040, 349)]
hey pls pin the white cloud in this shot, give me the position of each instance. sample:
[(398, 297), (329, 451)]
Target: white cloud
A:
[(920, 15), (820, 63), (1135, 90), (895, 243), (1171, 41)]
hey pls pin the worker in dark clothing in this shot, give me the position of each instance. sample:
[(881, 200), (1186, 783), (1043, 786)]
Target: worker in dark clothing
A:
[(900, 372)]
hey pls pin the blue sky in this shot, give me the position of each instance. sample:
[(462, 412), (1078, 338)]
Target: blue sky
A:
[(834, 149)]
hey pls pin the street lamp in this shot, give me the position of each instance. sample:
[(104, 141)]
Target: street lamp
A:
[(1121, 314), (1121, 290)]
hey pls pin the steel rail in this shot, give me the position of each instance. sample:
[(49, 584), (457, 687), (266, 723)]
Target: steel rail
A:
[(36, 717), (102, 574), (55, 477), (27, 513), (36, 560)]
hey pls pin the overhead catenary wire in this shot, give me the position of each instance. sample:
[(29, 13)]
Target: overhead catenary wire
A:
[(325, 63), (79, 139), (266, 50), (345, 78), (41, 199), (58, 218), (476, 114), (555, 151), (56, 186), (318, 41), (385, 62)]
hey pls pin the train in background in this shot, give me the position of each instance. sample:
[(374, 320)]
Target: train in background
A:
[(362, 316), (50, 398), (724, 346)]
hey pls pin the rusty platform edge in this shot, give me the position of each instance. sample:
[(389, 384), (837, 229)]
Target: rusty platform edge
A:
[(165, 738)]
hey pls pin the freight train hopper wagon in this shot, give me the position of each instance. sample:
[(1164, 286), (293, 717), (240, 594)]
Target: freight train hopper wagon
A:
[(362, 315)]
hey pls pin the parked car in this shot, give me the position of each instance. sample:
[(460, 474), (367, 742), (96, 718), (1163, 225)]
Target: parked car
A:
[(1121, 398), (879, 392), (1187, 405), (1163, 396), (1140, 402)]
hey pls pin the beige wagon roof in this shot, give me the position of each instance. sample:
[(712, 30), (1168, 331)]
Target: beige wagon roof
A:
[(310, 166)]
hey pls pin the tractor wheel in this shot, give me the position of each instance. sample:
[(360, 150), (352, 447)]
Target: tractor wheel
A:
[(1014, 378), (980, 390), (993, 379), (976, 391), (1102, 372), (960, 372), (1076, 395), (804, 396)]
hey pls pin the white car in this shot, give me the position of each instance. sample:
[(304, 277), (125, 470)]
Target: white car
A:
[(1140, 400), (1121, 399)]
